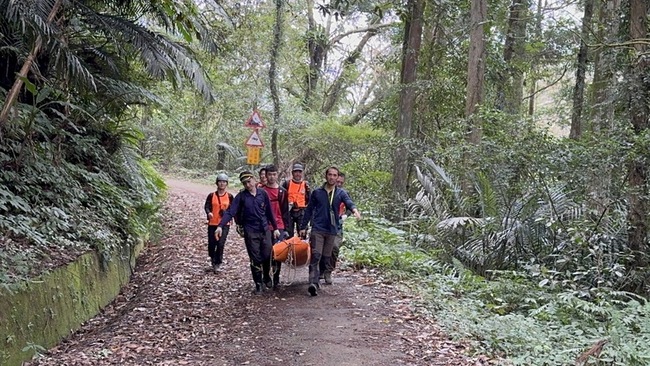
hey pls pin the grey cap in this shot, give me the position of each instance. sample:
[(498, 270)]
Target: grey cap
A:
[(222, 177), (297, 167)]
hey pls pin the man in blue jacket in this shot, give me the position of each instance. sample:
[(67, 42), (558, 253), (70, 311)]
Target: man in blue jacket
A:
[(323, 212), (251, 208)]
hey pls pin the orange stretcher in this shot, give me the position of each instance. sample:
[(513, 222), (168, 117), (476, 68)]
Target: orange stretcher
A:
[(293, 251)]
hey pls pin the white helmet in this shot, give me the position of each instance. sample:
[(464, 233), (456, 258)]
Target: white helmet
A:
[(222, 177)]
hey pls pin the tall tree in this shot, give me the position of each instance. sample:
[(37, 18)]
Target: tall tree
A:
[(604, 66), (579, 88), (273, 78), (533, 77), (334, 92), (475, 69), (510, 89), (602, 99), (639, 115), (408, 76), (317, 50)]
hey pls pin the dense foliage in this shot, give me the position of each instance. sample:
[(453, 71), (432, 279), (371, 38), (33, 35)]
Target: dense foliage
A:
[(71, 177), (513, 315)]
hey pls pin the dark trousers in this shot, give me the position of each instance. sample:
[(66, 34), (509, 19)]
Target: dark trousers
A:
[(322, 265), (321, 247), (258, 246), (295, 218), (273, 266), (215, 247)]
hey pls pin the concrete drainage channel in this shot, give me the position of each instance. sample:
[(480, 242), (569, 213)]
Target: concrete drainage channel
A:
[(41, 313)]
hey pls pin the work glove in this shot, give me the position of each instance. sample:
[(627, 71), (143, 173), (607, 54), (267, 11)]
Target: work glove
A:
[(218, 232), (276, 234)]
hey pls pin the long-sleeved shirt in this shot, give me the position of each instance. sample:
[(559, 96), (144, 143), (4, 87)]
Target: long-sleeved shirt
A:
[(279, 205), (256, 214), (323, 210)]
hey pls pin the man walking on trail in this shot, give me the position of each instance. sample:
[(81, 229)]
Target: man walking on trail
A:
[(298, 190), (326, 274), (252, 208), (323, 212), (280, 208), (215, 206)]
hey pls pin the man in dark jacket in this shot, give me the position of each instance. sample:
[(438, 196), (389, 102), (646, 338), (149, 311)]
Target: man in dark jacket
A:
[(252, 209), (323, 212), (325, 273)]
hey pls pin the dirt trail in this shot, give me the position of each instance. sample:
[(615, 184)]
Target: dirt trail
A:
[(175, 311)]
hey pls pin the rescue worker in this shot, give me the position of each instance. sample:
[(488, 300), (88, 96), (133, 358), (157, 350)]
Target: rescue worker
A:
[(280, 207), (343, 214), (323, 213), (252, 208), (215, 205), (299, 193)]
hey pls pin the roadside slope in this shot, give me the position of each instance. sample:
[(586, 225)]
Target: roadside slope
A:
[(175, 311)]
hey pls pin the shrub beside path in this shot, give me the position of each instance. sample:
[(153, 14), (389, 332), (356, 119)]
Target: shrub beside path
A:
[(175, 311)]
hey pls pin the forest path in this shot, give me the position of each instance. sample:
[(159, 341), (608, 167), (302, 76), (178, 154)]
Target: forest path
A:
[(175, 311)]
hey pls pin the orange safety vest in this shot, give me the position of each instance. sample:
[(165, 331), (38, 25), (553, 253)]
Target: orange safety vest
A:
[(297, 194), (218, 203), (342, 209)]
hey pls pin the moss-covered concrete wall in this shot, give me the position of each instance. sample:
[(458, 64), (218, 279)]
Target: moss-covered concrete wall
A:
[(41, 313)]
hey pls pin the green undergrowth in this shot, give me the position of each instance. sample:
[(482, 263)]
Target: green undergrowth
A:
[(66, 193), (509, 316)]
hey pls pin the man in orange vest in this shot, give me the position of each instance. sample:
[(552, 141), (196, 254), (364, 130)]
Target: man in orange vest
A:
[(280, 207), (215, 205), (298, 191)]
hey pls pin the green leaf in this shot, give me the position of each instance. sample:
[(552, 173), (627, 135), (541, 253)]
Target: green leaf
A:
[(29, 85)]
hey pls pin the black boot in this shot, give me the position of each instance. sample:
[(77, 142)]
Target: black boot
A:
[(313, 289)]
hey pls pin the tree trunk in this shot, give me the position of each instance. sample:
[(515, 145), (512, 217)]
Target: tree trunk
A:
[(410, 53), (533, 66), (334, 92), (601, 101), (475, 69), (273, 79), (637, 167), (604, 60), (579, 88), (510, 89), (317, 50), (18, 83), (221, 158)]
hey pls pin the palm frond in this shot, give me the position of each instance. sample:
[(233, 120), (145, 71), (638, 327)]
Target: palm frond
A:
[(161, 57), (460, 204), (69, 66), (487, 196), (465, 222)]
